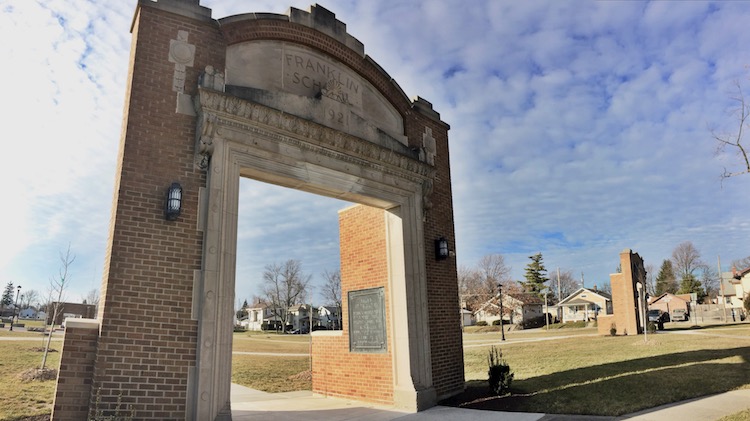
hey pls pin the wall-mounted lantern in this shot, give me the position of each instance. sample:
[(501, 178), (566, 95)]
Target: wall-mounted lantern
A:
[(441, 249), (173, 204)]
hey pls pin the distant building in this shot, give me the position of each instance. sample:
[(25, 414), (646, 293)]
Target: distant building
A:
[(585, 304), (70, 310), (329, 317), (518, 308)]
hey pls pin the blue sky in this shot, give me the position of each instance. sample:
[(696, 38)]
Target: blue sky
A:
[(578, 129)]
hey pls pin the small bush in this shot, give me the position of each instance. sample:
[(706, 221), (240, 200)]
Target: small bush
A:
[(651, 327), (613, 330), (497, 322), (500, 376), (481, 323)]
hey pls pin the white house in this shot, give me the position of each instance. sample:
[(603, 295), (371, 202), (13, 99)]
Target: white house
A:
[(256, 316), (329, 317), (518, 308), (28, 313), (300, 318), (735, 287), (585, 304), (467, 317)]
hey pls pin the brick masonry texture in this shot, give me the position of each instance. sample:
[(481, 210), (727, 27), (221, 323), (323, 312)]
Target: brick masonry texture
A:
[(76, 373), (364, 264), (147, 342)]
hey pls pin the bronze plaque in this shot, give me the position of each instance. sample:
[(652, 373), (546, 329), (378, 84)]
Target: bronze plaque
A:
[(367, 331)]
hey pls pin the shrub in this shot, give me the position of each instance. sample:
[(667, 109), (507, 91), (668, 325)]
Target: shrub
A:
[(613, 330), (500, 376), (533, 323), (497, 322), (651, 327), (481, 323)]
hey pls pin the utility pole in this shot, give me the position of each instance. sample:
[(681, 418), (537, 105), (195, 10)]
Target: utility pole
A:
[(500, 297), (583, 284), (559, 297), (721, 288)]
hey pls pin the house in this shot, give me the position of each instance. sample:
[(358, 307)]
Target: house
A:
[(668, 303), (584, 304), (28, 313), (329, 317), (518, 308), (260, 317), (301, 319), (735, 287), (467, 317), (71, 310)]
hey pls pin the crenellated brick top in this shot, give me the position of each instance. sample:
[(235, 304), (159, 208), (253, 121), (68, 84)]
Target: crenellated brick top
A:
[(319, 29)]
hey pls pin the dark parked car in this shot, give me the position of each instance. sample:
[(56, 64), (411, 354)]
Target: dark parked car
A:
[(658, 317)]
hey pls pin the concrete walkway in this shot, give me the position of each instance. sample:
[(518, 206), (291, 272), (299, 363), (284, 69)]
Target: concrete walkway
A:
[(249, 404)]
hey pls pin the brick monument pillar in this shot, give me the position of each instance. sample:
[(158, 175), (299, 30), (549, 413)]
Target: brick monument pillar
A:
[(627, 305)]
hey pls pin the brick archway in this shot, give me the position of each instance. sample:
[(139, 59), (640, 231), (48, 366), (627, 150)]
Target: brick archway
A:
[(286, 99)]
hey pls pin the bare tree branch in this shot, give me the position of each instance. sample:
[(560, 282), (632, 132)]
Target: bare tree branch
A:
[(733, 141)]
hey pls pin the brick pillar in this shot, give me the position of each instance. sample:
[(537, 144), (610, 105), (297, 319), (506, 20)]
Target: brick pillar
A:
[(73, 392), (364, 264)]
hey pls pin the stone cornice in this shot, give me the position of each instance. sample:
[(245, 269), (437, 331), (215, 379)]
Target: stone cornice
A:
[(216, 110)]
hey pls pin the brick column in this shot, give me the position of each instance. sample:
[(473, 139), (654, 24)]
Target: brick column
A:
[(76, 372)]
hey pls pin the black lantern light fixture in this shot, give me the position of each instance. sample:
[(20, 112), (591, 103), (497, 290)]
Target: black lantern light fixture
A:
[(173, 205), (441, 249)]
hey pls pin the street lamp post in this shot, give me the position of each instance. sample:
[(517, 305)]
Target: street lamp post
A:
[(641, 311), (546, 310), (15, 306), (500, 297)]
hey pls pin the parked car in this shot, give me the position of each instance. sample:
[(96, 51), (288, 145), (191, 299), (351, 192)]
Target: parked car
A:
[(679, 315), (658, 317)]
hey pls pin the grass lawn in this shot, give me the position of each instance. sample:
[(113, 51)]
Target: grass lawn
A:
[(575, 372), (603, 375), (19, 399)]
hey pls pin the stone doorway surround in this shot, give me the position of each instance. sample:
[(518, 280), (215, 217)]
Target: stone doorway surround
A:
[(246, 139)]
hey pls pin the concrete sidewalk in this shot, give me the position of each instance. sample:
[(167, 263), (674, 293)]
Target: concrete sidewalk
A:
[(249, 404)]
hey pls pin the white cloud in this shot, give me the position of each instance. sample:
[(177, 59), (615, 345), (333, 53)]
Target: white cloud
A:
[(577, 129)]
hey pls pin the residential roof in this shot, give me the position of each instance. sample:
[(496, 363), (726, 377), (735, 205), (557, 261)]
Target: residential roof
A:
[(526, 297), (576, 298), (683, 297)]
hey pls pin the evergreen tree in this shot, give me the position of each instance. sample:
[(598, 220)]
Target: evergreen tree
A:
[(536, 275), (7, 296), (691, 284), (666, 281)]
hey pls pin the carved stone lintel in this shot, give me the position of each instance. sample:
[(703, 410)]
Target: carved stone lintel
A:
[(238, 114)]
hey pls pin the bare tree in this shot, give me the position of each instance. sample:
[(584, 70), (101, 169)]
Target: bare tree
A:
[(92, 297), (710, 281), (650, 280), (687, 261), (284, 285), (479, 285), (567, 285), (741, 264), (28, 299), (332, 293), (57, 289), (733, 141)]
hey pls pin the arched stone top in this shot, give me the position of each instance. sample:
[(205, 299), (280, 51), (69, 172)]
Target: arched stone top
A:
[(318, 29)]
